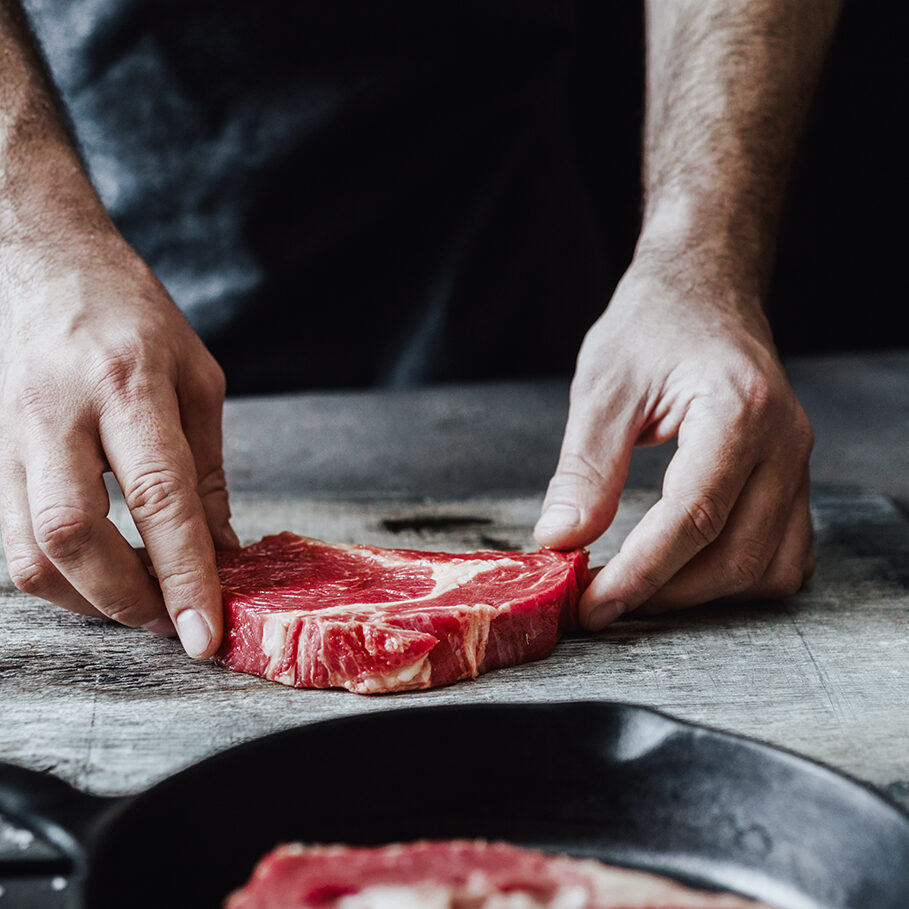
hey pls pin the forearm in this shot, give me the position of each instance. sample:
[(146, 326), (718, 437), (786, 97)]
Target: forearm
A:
[(44, 189), (728, 85)]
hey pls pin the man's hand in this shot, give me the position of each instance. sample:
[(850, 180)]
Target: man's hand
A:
[(684, 347), (733, 519), (99, 370)]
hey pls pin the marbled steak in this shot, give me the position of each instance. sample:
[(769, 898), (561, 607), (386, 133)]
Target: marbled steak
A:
[(323, 615), (458, 875)]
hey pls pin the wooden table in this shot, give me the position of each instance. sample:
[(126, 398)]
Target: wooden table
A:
[(825, 673)]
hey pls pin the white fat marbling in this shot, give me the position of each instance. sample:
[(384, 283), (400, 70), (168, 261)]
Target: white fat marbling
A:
[(422, 896), (392, 897), (420, 670), (445, 578), (450, 575)]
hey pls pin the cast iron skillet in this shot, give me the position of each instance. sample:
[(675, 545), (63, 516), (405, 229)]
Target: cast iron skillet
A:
[(619, 782)]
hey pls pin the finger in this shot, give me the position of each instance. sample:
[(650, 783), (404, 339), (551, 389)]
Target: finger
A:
[(201, 411), (68, 505), (29, 568), (793, 562), (583, 495), (740, 558), (163, 624), (154, 466), (702, 483)]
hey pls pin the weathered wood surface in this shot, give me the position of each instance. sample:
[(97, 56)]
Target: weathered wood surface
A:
[(825, 674), (503, 437)]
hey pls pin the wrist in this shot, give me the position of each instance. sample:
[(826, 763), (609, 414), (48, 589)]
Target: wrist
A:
[(51, 249), (671, 278), (48, 205), (710, 241)]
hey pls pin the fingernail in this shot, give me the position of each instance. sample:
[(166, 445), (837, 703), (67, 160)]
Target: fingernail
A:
[(194, 632), (162, 626), (557, 519), (605, 614)]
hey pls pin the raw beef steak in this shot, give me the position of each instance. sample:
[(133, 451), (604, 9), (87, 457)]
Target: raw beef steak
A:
[(321, 615), (458, 875)]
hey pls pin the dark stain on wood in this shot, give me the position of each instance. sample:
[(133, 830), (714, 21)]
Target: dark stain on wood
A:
[(432, 523), (498, 543)]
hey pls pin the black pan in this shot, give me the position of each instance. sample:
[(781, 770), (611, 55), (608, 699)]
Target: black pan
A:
[(622, 783)]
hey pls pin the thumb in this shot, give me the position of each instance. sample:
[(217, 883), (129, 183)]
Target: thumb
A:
[(583, 494)]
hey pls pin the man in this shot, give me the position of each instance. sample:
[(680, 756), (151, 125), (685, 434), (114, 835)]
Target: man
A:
[(99, 370)]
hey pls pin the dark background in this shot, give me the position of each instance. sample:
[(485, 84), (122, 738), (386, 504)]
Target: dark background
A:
[(840, 279), (351, 194)]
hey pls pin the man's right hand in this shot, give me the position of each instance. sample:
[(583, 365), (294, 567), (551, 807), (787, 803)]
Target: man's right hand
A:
[(100, 371)]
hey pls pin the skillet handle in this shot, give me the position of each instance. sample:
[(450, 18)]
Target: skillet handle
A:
[(50, 808)]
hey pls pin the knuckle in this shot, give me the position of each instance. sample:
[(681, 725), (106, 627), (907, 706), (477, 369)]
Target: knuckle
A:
[(186, 584), (181, 577), (645, 581), (63, 531), (31, 575), (122, 369), (154, 492), (127, 609), (32, 395), (763, 404), (785, 581), (212, 483), (704, 518), (33, 402), (760, 395), (576, 469), (118, 365), (747, 566)]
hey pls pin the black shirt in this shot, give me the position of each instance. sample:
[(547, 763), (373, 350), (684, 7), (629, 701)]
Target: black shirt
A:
[(345, 193)]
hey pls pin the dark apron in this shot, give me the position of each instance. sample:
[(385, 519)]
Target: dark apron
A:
[(347, 193)]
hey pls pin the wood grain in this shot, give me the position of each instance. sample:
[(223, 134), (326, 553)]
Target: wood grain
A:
[(826, 674)]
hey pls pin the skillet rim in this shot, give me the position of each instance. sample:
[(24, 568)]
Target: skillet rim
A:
[(766, 749)]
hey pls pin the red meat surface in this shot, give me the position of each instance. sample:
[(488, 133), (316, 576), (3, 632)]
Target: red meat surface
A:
[(458, 875), (325, 615)]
